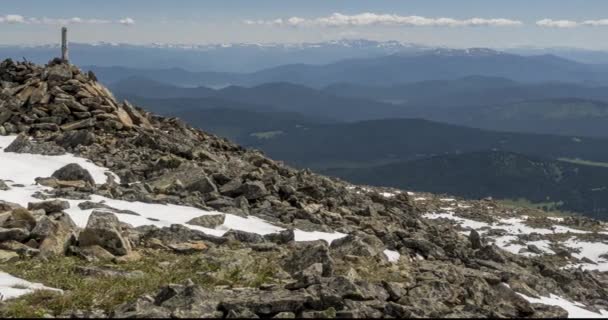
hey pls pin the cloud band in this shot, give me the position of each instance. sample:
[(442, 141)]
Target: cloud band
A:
[(373, 19), (19, 19), (550, 23)]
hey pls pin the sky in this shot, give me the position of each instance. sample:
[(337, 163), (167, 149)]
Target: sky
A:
[(453, 23)]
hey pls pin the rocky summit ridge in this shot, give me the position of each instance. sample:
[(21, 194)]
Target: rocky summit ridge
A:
[(386, 258)]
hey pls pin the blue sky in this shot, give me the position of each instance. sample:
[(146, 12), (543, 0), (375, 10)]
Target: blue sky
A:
[(573, 23)]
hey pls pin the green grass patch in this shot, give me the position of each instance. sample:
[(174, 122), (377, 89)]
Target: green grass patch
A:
[(105, 293), (549, 209)]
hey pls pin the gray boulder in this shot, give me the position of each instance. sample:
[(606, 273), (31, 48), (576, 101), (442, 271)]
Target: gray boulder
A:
[(243, 236), (17, 234), (72, 139), (202, 185), (51, 206), (475, 239), (55, 233), (20, 218), (73, 172), (208, 221), (252, 190), (104, 229), (306, 254)]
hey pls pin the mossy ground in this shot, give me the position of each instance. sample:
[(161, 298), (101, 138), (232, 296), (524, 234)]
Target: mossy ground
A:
[(87, 293)]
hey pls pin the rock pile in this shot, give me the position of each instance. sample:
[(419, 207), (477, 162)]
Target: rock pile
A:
[(440, 272)]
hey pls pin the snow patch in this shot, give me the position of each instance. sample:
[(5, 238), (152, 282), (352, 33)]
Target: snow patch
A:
[(25, 168), (392, 255), (574, 309), (515, 227), (12, 287)]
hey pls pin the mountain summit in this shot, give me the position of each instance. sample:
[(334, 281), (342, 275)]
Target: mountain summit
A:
[(168, 221)]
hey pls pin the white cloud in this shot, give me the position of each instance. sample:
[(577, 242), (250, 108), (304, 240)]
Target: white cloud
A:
[(595, 23), (12, 19), (373, 19), (550, 23), (19, 19), (127, 21)]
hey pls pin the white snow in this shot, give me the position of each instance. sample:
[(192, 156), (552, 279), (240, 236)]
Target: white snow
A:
[(515, 227), (447, 200), (575, 309), (592, 251), (465, 223), (25, 168), (392, 255), (12, 287), (419, 199)]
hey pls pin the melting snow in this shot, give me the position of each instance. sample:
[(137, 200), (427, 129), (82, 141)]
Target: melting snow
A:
[(575, 309), (393, 256), (12, 287), (516, 226), (590, 250), (25, 168)]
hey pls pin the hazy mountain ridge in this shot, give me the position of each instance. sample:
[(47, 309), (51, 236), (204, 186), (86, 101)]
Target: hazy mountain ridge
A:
[(387, 70)]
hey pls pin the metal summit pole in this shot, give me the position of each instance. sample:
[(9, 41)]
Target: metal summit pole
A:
[(64, 44)]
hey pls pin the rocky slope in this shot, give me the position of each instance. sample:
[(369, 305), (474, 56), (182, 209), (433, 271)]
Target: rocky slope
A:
[(246, 236)]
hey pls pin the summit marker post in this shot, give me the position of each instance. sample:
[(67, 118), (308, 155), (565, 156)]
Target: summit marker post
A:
[(64, 44)]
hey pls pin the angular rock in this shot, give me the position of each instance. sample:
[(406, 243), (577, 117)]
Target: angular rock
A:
[(266, 303), (208, 221), (253, 190), (202, 185), (475, 240), (305, 254), (55, 234), (73, 172), (72, 139), (281, 237), (80, 124), (124, 118), (189, 301), (17, 234), (188, 247), (20, 218), (23, 144), (104, 229), (49, 207), (243, 236)]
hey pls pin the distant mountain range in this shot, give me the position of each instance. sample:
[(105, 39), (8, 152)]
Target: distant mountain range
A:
[(250, 57), (388, 70), (468, 91), (564, 116), (475, 101), (234, 57), (284, 97)]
